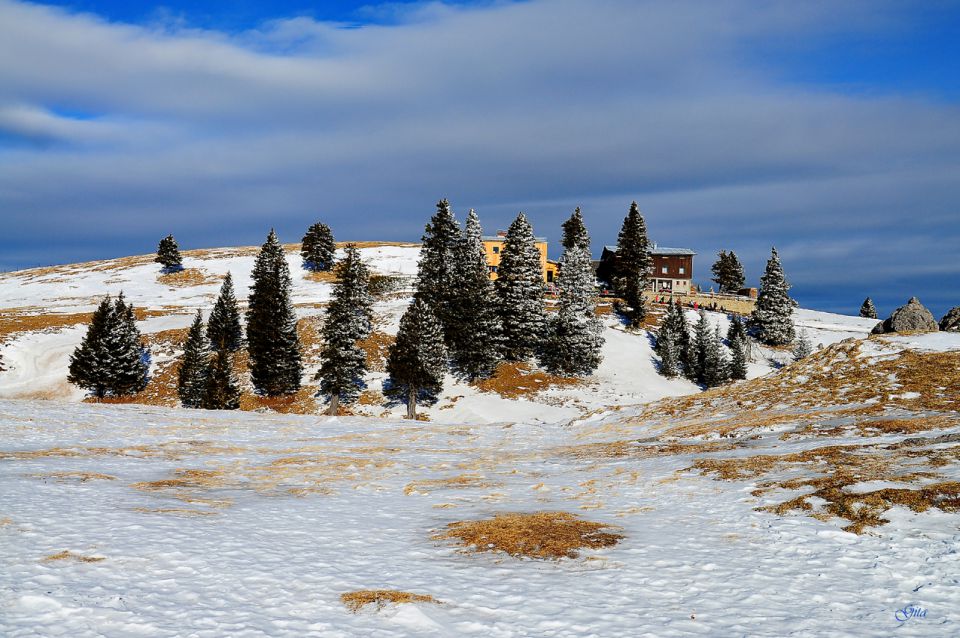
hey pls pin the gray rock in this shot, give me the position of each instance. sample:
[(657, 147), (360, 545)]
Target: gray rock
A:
[(913, 317), (951, 320)]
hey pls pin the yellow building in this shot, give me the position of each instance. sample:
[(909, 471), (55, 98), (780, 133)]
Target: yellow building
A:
[(493, 247)]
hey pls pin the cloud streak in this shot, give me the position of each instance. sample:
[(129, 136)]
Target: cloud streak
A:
[(535, 105)]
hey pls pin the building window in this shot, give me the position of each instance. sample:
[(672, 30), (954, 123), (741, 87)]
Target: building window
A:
[(663, 270), (549, 276), (493, 269), (496, 249), (683, 270)]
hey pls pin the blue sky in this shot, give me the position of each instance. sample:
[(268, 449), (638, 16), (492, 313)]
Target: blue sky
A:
[(830, 129)]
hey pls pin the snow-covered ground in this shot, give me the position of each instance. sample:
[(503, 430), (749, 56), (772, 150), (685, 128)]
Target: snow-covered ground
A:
[(264, 554), (38, 360)]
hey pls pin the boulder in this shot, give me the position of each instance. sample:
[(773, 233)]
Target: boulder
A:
[(913, 317), (951, 320)]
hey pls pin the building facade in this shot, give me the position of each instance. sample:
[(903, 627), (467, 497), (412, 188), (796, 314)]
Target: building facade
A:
[(493, 248), (671, 271)]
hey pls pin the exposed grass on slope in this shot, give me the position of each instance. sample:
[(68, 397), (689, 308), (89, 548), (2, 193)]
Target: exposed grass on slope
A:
[(514, 380), (68, 555), (549, 535), (356, 600), (188, 277)]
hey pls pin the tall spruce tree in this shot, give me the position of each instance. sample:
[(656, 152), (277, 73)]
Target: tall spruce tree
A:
[(702, 337), (318, 247), (437, 270), (575, 232), (631, 268), (772, 317), (192, 376), (168, 254), (418, 358), (131, 359), (272, 341), (672, 340), (223, 327), (476, 340), (111, 360), (868, 310), (739, 347), (574, 334), (728, 272), (347, 321), (519, 288), (221, 390)]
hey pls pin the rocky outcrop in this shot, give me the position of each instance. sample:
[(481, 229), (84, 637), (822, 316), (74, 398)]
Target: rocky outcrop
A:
[(913, 317), (951, 320)]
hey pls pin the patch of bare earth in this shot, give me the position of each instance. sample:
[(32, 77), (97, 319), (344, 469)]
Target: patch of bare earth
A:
[(68, 555), (356, 600), (514, 380), (188, 277), (547, 535)]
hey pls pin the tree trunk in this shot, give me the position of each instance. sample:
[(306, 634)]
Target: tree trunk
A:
[(334, 408), (412, 403)]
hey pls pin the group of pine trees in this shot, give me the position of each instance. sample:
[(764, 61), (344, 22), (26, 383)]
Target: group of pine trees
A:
[(206, 378), (728, 272), (460, 319), (111, 360), (701, 356)]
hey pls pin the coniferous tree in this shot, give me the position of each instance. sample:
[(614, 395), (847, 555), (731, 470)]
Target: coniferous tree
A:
[(418, 358), (272, 341), (717, 369), (221, 389), (802, 346), (868, 310), (131, 359), (673, 341), (223, 327), (347, 321), (318, 247), (111, 360), (575, 232), (773, 315), (437, 271), (476, 339), (574, 334), (631, 269), (702, 337), (519, 288), (737, 337), (728, 272), (90, 363), (168, 254), (192, 376)]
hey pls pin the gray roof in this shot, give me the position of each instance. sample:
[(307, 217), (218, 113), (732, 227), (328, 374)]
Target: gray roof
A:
[(499, 238), (660, 250)]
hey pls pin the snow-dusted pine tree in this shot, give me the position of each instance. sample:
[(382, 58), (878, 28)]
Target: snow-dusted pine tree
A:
[(702, 338), (519, 288), (318, 247), (672, 340), (728, 272), (631, 269), (574, 334), (192, 375), (773, 315), (272, 341), (131, 359), (739, 347), (168, 254), (347, 320), (575, 232), (221, 390), (802, 346), (476, 339), (223, 327), (418, 358), (716, 369), (437, 271), (868, 310), (91, 362)]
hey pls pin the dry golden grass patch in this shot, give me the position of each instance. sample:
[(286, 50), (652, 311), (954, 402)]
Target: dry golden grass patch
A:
[(514, 380), (74, 477), (425, 486), (68, 555), (377, 348), (538, 535), (630, 449), (188, 277), (355, 600), (168, 450), (175, 511), (34, 319), (321, 276)]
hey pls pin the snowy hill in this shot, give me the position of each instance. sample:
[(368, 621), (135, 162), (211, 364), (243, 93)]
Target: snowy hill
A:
[(821, 497)]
